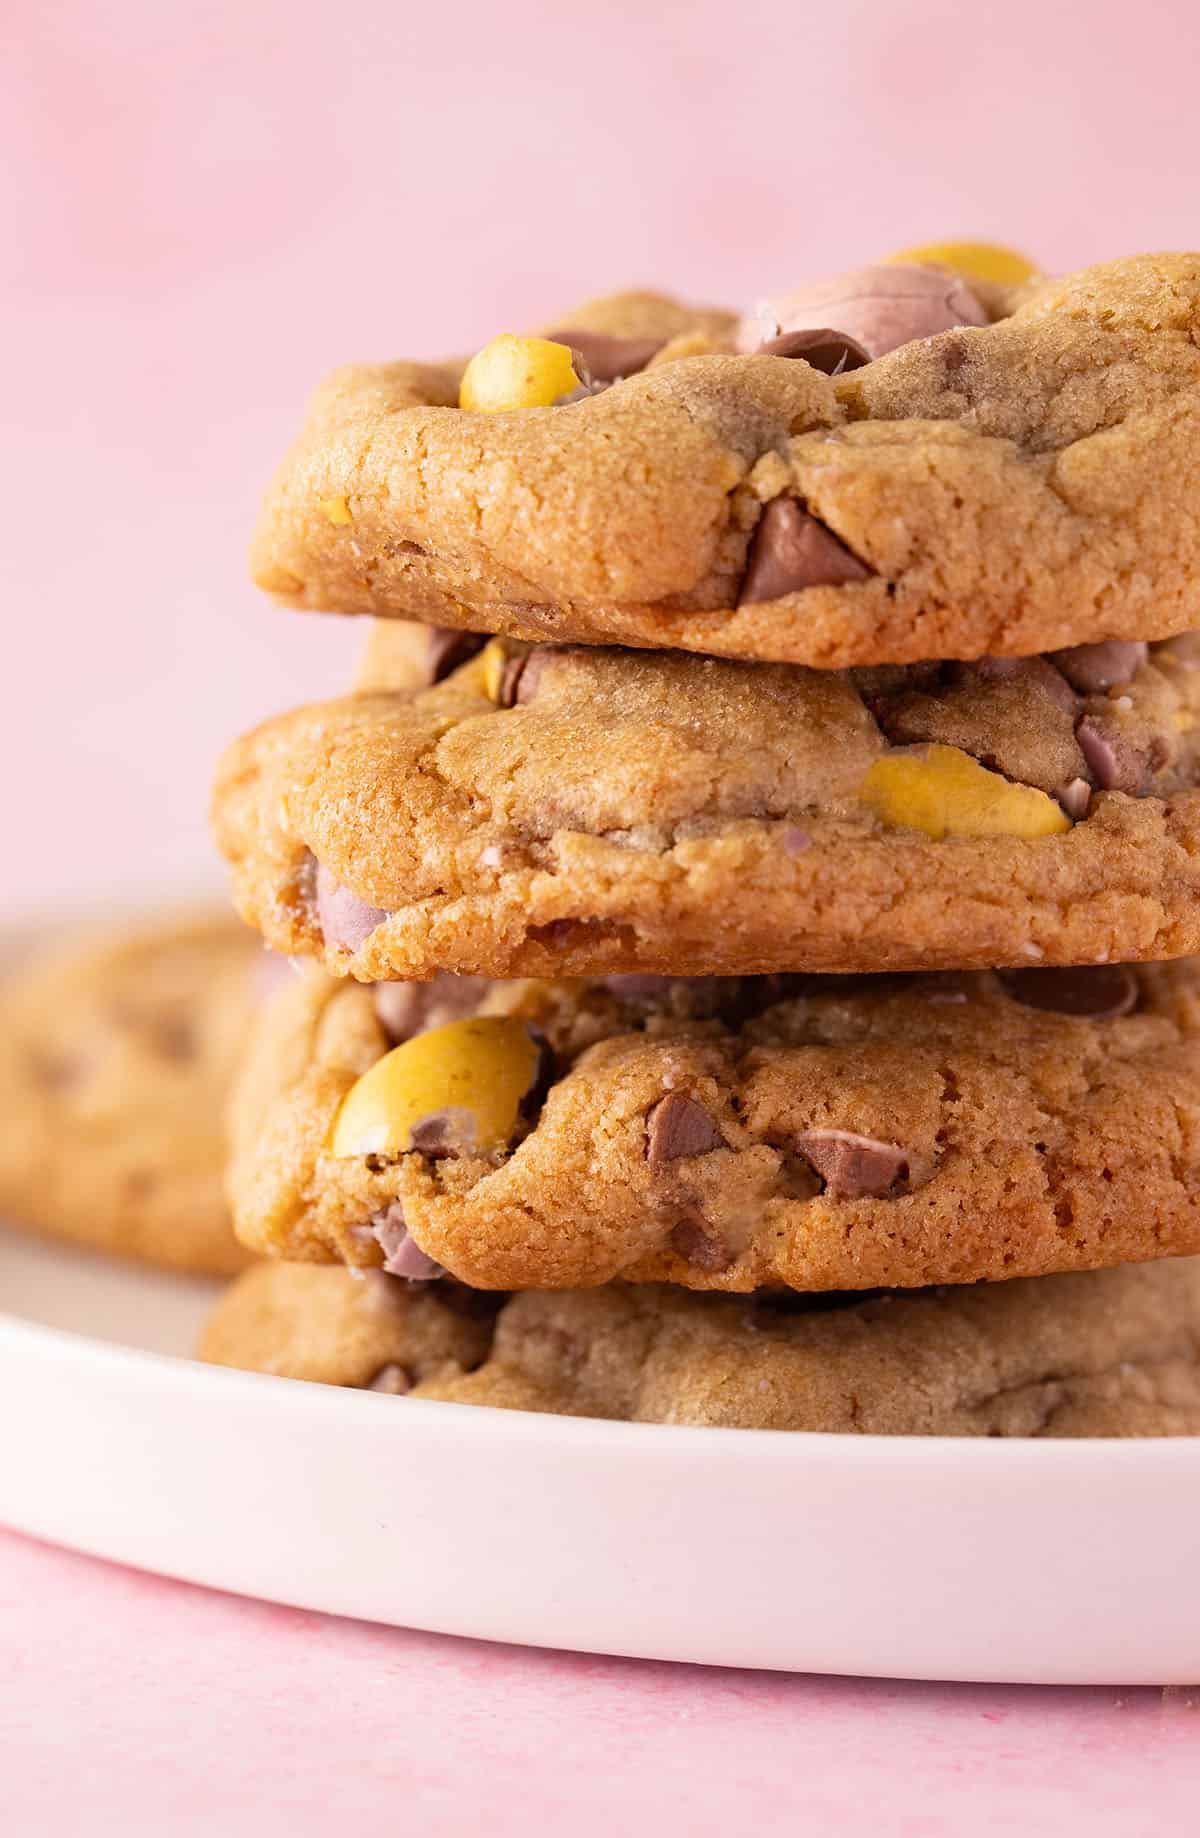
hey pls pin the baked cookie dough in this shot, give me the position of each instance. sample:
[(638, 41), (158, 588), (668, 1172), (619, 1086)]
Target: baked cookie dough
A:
[(564, 810), (117, 1051), (732, 1134), (956, 489), (370, 1330), (1106, 1353)]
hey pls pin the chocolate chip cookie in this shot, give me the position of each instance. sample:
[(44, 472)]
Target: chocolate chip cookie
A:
[(117, 1050), (369, 1330), (562, 810), (733, 1134), (1105, 1353), (888, 466)]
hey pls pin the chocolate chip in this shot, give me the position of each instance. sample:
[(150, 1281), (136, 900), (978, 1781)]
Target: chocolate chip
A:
[(405, 1009), (791, 550), (608, 359), (857, 1167), (1091, 669), (1115, 763), (344, 919), (679, 1126), (391, 1378), (823, 348), (401, 1257), (1096, 992), (690, 1241), (443, 1133), (446, 649)]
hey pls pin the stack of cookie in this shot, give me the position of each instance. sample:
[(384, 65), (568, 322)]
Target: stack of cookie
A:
[(765, 874)]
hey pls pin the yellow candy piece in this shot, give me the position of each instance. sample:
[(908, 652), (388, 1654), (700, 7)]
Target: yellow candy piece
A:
[(945, 792), (978, 261), (492, 660), (337, 510), (515, 372), (465, 1082)]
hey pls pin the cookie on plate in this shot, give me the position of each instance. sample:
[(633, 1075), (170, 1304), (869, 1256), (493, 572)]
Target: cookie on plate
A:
[(366, 1329), (117, 1050), (733, 1134), (562, 810), (957, 487), (1106, 1353)]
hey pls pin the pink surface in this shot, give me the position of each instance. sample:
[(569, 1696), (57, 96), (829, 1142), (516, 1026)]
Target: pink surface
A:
[(204, 207), (138, 1705)]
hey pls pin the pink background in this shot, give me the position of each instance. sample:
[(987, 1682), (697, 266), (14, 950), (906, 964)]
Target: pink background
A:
[(204, 207)]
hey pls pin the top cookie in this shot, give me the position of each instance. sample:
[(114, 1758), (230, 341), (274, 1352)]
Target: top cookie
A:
[(993, 488)]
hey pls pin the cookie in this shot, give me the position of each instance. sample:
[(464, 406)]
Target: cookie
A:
[(730, 1134), (1106, 1353), (302, 1321), (957, 488), (577, 811), (117, 1051)]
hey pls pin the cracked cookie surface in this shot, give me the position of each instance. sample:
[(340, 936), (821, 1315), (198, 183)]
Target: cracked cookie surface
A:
[(569, 811), (1106, 1353), (734, 1134), (1007, 488), (117, 1051)]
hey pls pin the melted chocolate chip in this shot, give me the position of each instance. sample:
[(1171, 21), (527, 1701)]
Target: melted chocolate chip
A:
[(446, 649), (823, 348), (791, 550), (855, 1167), (1091, 669), (1114, 761), (679, 1126), (405, 1009), (690, 1241), (1096, 992), (344, 919), (607, 359), (401, 1257)]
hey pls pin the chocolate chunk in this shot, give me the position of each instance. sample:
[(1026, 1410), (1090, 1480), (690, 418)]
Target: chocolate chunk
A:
[(823, 348), (608, 359), (1115, 763), (446, 649), (1076, 799), (1034, 672), (1094, 991), (443, 1133), (391, 1378), (344, 919), (690, 1241), (857, 1167), (791, 550), (401, 1257), (679, 1126), (881, 307), (1091, 669), (405, 1009)]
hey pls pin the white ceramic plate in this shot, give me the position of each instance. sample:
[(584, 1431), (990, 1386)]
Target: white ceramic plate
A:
[(917, 1558)]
